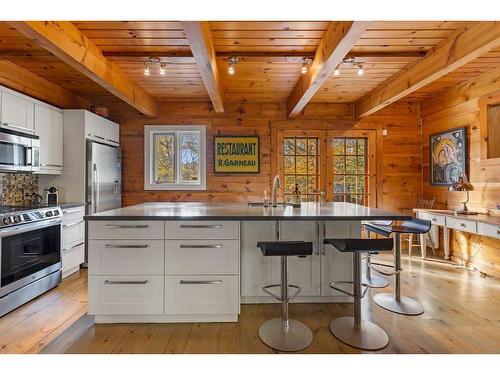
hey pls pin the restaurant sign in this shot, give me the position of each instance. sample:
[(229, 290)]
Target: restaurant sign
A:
[(236, 154)]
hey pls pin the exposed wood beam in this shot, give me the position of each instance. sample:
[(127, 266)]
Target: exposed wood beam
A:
[(339, 38), (22, 80), (199, 37), (463, 47), (65, 41)]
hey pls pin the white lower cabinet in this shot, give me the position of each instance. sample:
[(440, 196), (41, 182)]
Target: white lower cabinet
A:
[(73, 240), (207, 294), (137, 273), (313, 273), (128, 295)]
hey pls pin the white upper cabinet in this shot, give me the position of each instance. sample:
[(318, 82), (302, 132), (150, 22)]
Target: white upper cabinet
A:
[(102, 130), (111, 132), (49, 127), (17, 112), (93, 127)]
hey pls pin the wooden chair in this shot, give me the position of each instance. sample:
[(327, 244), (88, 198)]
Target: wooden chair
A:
[(421, 203)]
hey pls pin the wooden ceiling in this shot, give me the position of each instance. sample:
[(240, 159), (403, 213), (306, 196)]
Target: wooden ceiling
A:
[(269, 52)]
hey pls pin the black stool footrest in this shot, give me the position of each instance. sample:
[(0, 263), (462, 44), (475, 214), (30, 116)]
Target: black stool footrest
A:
[(285, 248), (365, 245), (334, 283)]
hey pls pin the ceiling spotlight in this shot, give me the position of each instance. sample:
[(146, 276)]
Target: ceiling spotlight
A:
[(232, 61), (147, 72), (163, 68), (360, 70), (305, 62), (336, 72)]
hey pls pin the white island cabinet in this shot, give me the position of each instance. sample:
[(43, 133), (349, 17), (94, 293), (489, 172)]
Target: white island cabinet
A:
[(196, 262)]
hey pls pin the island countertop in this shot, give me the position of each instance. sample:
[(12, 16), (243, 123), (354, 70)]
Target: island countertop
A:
[(332, 211)]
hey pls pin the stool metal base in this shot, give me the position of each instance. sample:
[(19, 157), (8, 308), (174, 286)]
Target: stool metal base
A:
[(368, 337), (406, 305), (298, 337), (375, 281)]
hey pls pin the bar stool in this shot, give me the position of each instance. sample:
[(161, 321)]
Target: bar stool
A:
[(395, 302), (369, 279), (355, 331), (285, 334)]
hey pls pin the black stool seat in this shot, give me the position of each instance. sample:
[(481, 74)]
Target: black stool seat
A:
[(414, 226), (285, 248), (360, 244)]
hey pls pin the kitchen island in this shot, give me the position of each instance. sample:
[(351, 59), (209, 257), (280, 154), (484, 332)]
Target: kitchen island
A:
[(196, 262)]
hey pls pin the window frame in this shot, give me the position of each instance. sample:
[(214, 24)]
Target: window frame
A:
[(150, 161)]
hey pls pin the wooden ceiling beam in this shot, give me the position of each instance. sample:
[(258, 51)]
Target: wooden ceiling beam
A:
[(64, 40), (464, 46), (199, 37), (26, 82), (339, 38)]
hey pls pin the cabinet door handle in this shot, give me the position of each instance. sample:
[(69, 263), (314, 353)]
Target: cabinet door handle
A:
[(109, 246), (72, 224), (217, 246), (198, 282), (434, 219), (50, 165), (123, 226), (125, 282), (115, 142), (200, 226), (98, 136), (463, 225), (72, 247)]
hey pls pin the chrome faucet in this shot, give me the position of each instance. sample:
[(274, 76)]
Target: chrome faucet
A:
[(276, 186)]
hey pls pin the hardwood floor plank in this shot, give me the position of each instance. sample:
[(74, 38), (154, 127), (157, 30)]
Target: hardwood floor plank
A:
[(179, 338)]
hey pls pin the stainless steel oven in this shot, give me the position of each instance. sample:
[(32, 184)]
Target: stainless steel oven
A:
[(19, 151), (30, 256)]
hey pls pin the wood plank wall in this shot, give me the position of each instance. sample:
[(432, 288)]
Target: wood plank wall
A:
[(459, 107), (399, 153)]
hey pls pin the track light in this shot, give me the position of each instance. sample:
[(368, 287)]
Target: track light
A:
[(147, 72), (154, 61), (305, 62), (163, 68), (232, 61), (360, 70), (336, 72)]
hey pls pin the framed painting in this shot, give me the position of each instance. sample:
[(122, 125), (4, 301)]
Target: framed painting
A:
[(447, 156)]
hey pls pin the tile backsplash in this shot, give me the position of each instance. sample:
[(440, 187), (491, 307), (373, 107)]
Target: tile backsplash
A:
[(17, 188)]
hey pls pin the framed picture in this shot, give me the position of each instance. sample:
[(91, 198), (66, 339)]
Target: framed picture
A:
[(447, 156), (236, 154)]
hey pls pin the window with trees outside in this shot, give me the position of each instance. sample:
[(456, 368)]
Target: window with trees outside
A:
[(350, 170), (301, 167), (175, 157)]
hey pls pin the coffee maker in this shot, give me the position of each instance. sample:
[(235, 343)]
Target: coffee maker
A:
[(51, 196)]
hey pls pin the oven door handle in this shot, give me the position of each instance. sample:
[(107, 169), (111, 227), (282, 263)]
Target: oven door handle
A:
[(5, 232)]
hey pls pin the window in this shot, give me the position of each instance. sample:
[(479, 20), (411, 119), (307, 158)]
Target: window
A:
[(301, 167), (174, 157), (350, 170)]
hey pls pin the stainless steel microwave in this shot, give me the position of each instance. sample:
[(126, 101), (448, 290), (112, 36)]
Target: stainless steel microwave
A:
[(19, 152)]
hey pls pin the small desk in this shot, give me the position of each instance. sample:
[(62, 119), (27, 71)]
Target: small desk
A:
[(481, 224)]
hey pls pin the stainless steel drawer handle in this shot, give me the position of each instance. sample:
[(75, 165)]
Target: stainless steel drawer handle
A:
[(109, 226), (198, 282), (218, 246), (72, 224), (110, 140), (108, 246), (198, 226), (72, 211), (125, 282), (50, 165), (98, 136), (74, 246)]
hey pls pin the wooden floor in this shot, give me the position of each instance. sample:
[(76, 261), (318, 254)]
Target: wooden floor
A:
[(462, 315)]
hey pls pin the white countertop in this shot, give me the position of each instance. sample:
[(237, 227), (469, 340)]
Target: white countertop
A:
[(332, 211)]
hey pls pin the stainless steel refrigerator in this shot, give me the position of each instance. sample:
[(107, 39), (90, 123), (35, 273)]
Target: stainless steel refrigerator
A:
[(104, 179)]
